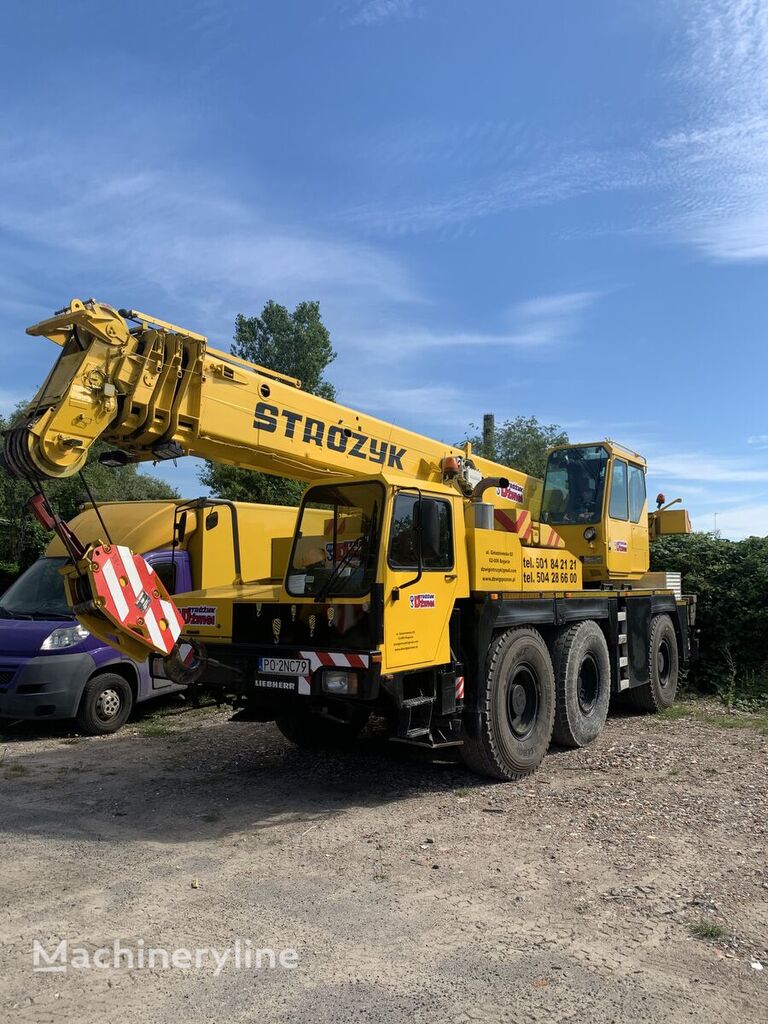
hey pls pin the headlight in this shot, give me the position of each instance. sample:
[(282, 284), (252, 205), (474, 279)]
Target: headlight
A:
[(590, 533), (68, 636), (340, 682)]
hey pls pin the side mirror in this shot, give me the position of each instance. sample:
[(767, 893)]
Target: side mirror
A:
[(212, 520), (181, 527)]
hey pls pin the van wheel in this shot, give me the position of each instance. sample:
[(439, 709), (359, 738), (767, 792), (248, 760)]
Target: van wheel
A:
[(517, 708), (312, 731), (105, 705), (583, 684), (664, 665)]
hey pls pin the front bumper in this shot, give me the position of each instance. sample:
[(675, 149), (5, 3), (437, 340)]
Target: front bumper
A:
[(44, 687), (236, 672)]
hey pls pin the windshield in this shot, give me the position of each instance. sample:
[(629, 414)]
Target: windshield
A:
[(38, 593), (573, 486), (337, 541)]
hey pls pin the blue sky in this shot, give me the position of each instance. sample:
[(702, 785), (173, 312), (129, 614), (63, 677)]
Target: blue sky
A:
[(550, 209)]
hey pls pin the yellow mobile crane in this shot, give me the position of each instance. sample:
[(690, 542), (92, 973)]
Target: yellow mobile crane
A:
[(476, 606)]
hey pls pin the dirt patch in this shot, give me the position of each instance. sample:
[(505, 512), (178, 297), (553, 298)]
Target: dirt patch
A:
[(626, 881)]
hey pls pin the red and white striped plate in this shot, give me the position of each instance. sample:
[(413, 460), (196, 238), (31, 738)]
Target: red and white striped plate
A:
[(133, 598)]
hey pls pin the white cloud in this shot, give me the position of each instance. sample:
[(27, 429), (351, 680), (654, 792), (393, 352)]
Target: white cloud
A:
[(533, 324), (555, 307), (749, 520), (758, 440), (158, 229), (553, 177), (703, 182), (700, 466), (716, 164), (373, 12)]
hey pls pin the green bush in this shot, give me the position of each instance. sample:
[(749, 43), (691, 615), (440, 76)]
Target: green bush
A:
[(730, 579)]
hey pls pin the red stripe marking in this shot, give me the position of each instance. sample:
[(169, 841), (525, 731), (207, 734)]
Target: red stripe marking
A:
[(504, 520), (325, 658)]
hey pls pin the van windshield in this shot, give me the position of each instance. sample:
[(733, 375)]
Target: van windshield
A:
[(38, 593), (573, 486)]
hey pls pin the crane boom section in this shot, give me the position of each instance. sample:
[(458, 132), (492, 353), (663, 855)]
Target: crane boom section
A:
[(156, 391)]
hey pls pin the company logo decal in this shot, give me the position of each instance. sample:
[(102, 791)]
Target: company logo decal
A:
[(199, 615), (620, 545), (512, 493), (422, 600), (335, 438)]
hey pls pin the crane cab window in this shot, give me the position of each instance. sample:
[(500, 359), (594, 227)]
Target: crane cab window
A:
[(619, 508), (574, 484), (432, 518), (336, 543), (636, 493)]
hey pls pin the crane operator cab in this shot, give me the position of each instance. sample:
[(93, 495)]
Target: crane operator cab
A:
[(595, 496)]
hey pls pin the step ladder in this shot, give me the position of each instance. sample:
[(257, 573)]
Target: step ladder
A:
[(623, 651), (414, 717)]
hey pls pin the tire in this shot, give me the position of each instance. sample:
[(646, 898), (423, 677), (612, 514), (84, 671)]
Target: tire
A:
[(106, 703), (664, 665), (582, 683), (311, 731), (517, 708)]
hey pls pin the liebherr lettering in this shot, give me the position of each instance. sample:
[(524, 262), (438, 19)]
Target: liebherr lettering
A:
[(309, 430)]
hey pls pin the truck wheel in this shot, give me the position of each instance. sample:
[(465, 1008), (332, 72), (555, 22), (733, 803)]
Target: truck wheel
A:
[(311, 731), (582, 683), (105, 705), (517, 708), (664, 664)]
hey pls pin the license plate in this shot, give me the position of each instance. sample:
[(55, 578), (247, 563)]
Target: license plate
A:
[(284, 666)]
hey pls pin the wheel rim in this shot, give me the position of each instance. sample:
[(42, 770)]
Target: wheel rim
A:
[(522, 701), (108, 705), (664, 663), (588, 685)]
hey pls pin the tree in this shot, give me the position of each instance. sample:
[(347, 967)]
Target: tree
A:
[(730, 580), (297, 344), (520, 443), (22, 538)]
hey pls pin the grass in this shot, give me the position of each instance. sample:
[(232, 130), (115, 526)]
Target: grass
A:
[(462, 792), (708, 715), (211, 817), (155, 729), (71, 740), (706, 929), (16, 769)]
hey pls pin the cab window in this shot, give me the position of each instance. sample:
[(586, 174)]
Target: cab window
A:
[(436, 533), (636, 493), (618, 508), (574, 485)]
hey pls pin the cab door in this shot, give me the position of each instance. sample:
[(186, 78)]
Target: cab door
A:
[(421, 579)]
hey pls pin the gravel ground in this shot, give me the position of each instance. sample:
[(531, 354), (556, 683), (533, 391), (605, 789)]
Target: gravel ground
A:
[(624, 882)]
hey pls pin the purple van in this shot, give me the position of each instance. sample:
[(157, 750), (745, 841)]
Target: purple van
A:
[(51, 666)]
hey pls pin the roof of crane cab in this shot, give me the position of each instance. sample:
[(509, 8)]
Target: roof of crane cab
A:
[(396, 481), (612, 447)]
